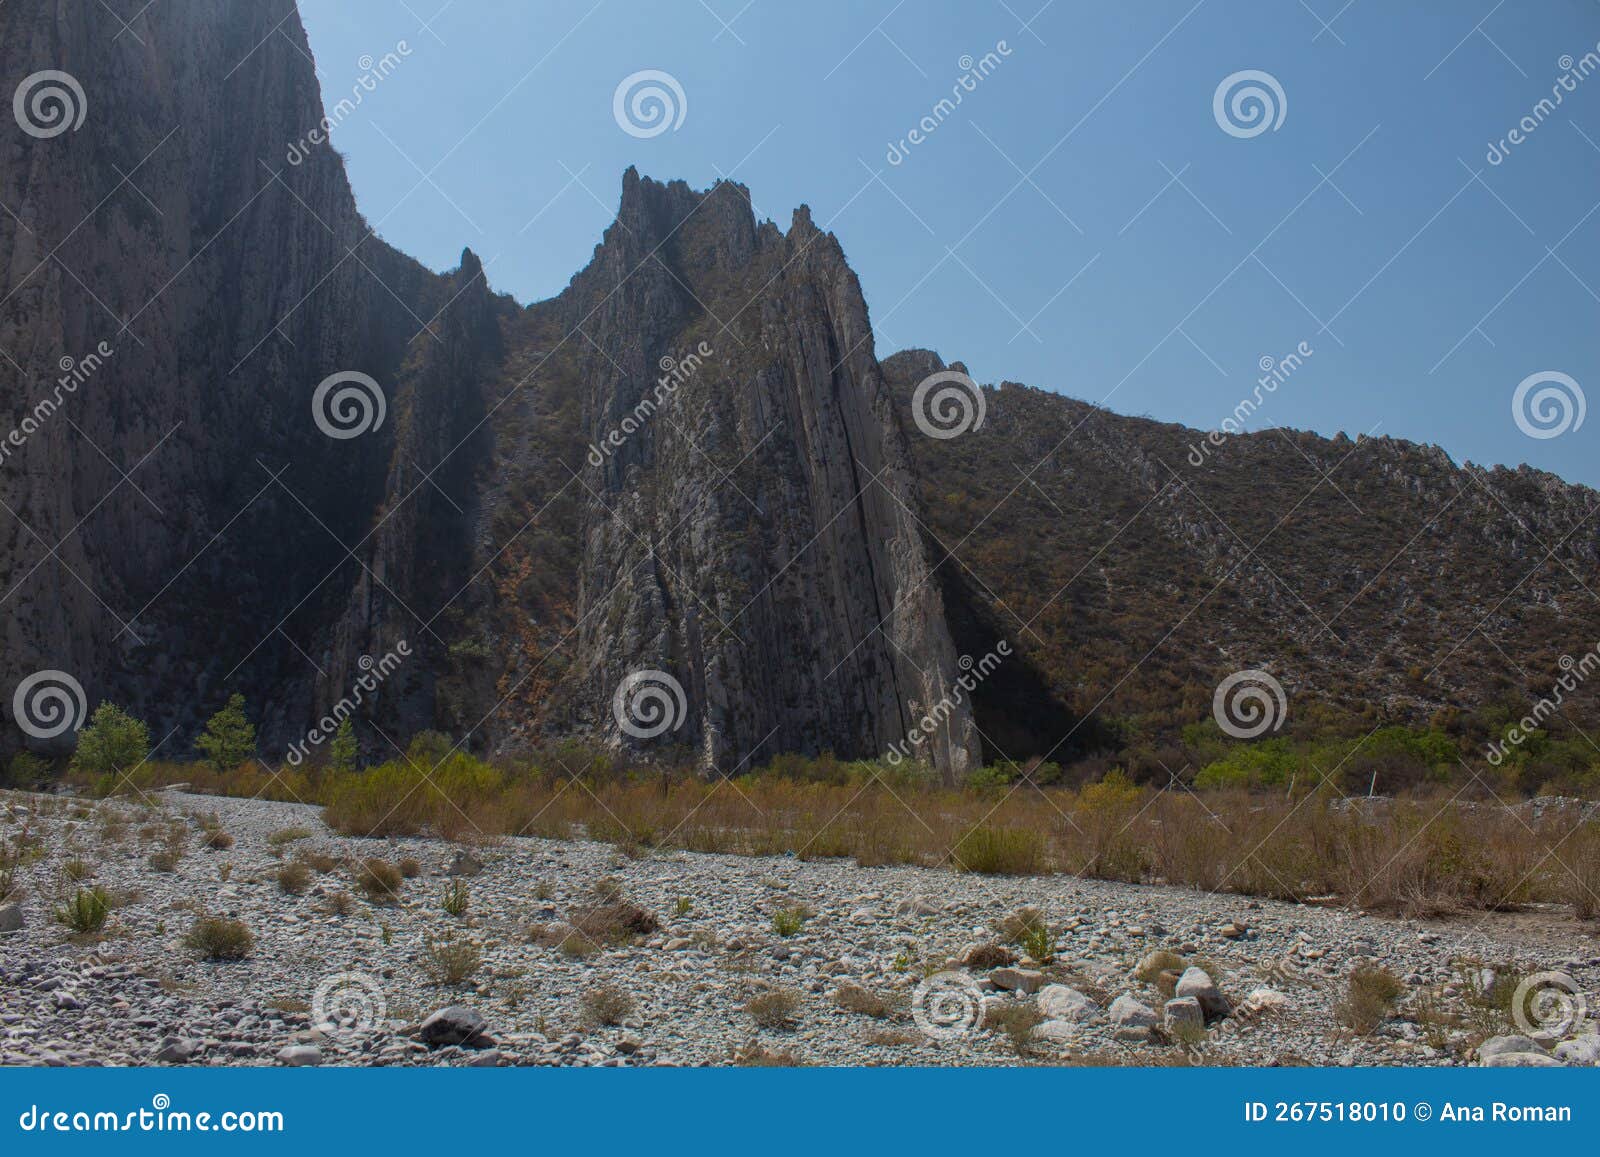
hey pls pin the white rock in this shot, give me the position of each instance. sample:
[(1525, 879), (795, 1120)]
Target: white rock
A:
[(1058, 1002), (1585, 1050), (1197, 983), (1521, 1061), (1126, 1012)]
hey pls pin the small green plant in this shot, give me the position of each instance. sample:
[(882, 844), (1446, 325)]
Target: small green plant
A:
[(451, 959), (682, 907), (775, 1009), (456, 898), (77, 870), (219, 938), (86, 911), (294, 878), (789, 921), (1039, 943), (606, 1005)]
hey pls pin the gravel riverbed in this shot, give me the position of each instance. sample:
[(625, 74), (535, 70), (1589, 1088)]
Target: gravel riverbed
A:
[(894, 965)]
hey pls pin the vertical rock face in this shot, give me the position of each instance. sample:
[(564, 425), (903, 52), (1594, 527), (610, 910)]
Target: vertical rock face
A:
[(179, 524), (176, 528), (749, 527)]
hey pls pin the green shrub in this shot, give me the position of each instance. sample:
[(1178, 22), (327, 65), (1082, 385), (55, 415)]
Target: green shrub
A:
[(456, 898), (789, 921), (112, 745), (85, 911), (1369, 998), (229, 739)]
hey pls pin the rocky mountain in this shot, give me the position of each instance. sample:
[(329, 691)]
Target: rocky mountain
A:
[(679, 507), (208, 512)]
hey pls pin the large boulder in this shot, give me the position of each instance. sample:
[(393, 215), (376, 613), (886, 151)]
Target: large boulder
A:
[(1585, 1050), (1058, 1002), (10, 917), (1197, 984), (456, 1025)]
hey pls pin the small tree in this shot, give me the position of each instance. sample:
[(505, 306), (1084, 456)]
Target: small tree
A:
[(342, 750), (113, 742), (229, 738)]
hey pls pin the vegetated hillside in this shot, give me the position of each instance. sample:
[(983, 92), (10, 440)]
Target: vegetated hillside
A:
[(1374, 578)]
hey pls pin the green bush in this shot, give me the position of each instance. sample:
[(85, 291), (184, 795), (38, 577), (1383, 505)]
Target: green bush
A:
[(85, 911), (1001, 852)]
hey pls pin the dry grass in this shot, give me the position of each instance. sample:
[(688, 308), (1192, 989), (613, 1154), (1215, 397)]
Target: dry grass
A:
[(606, 1005), (854, 998), (451, 959), (1369, 998), (294, 878), (380, 880), (1413, 856), (1015, 1021), (614, 923), (759, 1056), (775, 1009), (218, 938)]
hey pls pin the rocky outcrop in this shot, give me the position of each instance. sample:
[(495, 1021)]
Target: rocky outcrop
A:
[(196, 517)]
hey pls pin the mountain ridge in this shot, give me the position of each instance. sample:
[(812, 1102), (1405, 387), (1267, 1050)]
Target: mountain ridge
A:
[(689, 465)]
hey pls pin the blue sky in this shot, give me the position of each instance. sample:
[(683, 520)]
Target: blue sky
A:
[(1081, 221)]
